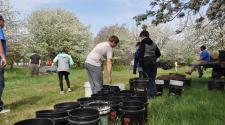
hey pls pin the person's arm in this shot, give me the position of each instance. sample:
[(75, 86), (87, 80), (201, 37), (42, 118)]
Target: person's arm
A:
[(142, 51), (136, 59), (3, 59), (55, 60), (71, 60), (109, 63), (109, 69), (157, 52)]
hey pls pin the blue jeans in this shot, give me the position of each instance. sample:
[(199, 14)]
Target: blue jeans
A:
[(150, 72), (2, 86)]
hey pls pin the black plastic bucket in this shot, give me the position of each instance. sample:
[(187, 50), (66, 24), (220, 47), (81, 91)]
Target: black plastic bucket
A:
[(125, 93), (59, 117), (106, 87), (131, 83), (159, 86), (175, 88), (132, 112), (113, 89), (187, 82), (68, 106), (103, 93), (114, 102), (141, 87), (216, 85), (36, 122), (100, 97), (85, 100), (131, 105), (166, 83), (114, 105), (84, 116), (142, 99), (104, 111), (107, 92)]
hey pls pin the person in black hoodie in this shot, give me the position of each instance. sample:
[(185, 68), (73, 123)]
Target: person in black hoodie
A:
[(149, 52)]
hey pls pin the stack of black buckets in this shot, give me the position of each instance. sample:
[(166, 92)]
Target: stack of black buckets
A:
[(110, 106)]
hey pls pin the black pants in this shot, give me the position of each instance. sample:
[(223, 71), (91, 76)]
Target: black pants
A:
[(66, 75)]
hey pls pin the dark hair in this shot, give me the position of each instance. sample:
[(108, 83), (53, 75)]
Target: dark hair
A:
[(137, 44), (64, 49), (114, 38), (1, 18), (144, 33), (35, 51), (203, 47)]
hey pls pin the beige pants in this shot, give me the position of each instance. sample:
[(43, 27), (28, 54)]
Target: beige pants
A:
[(34, 69)]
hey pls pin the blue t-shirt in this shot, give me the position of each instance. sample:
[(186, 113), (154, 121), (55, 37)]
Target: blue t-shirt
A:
[(204, 55), (3, 40)]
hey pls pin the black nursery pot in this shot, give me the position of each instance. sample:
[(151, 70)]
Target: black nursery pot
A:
[(36, 122), (131, 83), (125, 93), (67, 106), (132, 112), (112, 89), (166, 83), (187, 82), (59, 117), (114, 102), (85, 100), (85, 116), (131, 105)]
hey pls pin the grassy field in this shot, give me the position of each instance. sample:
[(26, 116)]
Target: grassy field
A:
[(197, 106)]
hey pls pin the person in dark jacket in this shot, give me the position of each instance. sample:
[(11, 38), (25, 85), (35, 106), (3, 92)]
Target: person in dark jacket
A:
[(149, 52)]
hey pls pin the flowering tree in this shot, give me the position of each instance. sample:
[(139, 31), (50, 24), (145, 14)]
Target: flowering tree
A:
[(163, 11), (13, 26), (50, 30), (123, 52)]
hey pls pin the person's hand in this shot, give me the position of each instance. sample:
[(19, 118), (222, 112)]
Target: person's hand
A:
[(3, 62)]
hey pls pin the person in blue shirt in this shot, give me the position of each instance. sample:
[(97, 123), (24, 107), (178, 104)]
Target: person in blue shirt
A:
[(204, 58), (2, 60)]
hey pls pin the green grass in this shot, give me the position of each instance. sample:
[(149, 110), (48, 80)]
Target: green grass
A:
[(197, 106)]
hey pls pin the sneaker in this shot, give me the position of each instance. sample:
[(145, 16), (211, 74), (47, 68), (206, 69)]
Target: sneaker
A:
[(189, 73), (4, 111), (69, 90), (61, 92)]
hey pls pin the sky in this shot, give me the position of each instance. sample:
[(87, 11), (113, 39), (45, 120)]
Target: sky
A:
[(93, 13)]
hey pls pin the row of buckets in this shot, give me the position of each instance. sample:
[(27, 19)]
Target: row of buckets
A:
[(110, 106), (175, 86)]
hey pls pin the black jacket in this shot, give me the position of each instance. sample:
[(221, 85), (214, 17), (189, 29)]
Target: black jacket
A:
[(149, 52)]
